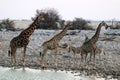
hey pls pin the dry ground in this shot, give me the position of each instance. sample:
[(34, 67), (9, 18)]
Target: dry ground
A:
[(108, 65)]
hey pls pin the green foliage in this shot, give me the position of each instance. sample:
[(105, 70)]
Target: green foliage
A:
[(51, 17), (79, 23), (7, 24)]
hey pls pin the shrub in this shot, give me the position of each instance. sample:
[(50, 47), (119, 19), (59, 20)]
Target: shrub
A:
[(116, 25), (7, 24), (81, 24)]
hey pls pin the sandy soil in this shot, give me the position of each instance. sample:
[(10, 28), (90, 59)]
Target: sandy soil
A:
[(109, 63)]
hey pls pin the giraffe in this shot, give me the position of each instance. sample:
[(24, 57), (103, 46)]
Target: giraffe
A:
[(54, 43), (100, 51), (90, 45), (75, 50), (22, 40)]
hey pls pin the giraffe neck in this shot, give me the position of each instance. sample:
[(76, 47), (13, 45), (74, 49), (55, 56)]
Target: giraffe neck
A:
[(28, 32), (96, 36), (62, 33)]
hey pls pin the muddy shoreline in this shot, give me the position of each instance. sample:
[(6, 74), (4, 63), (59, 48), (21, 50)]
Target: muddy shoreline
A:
[(88, 69)]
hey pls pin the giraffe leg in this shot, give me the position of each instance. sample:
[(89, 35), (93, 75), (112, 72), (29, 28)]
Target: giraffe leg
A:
[(91, 54), (86, 57), (13, 56), (81, 57), (94, 57), (74, 59), (56, 57), (24, 56), (42, 57), (12, 60)]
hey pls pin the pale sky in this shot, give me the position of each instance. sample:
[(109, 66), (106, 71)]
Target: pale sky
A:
[(68, 9)]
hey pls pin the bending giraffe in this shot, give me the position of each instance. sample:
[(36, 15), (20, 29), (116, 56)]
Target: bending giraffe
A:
[(77, 50), (22, 39), (90, 45), (54, 43)]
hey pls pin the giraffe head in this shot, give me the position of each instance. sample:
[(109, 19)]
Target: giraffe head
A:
[(104, 24), (69, 24), (41, 17)]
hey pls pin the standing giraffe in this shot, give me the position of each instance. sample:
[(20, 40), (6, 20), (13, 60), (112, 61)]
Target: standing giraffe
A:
[(54, 43), (90, 45), (22, 39)]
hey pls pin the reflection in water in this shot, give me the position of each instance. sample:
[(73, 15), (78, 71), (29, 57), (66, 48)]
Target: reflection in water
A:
[(32, 74)]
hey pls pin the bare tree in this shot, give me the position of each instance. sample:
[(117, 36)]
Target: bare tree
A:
[(50, 19)]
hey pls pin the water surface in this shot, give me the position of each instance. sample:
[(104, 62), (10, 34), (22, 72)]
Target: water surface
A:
[(33, 74)]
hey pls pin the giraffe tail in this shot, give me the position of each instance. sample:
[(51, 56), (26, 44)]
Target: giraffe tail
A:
[(40, 54), (9, 53)]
